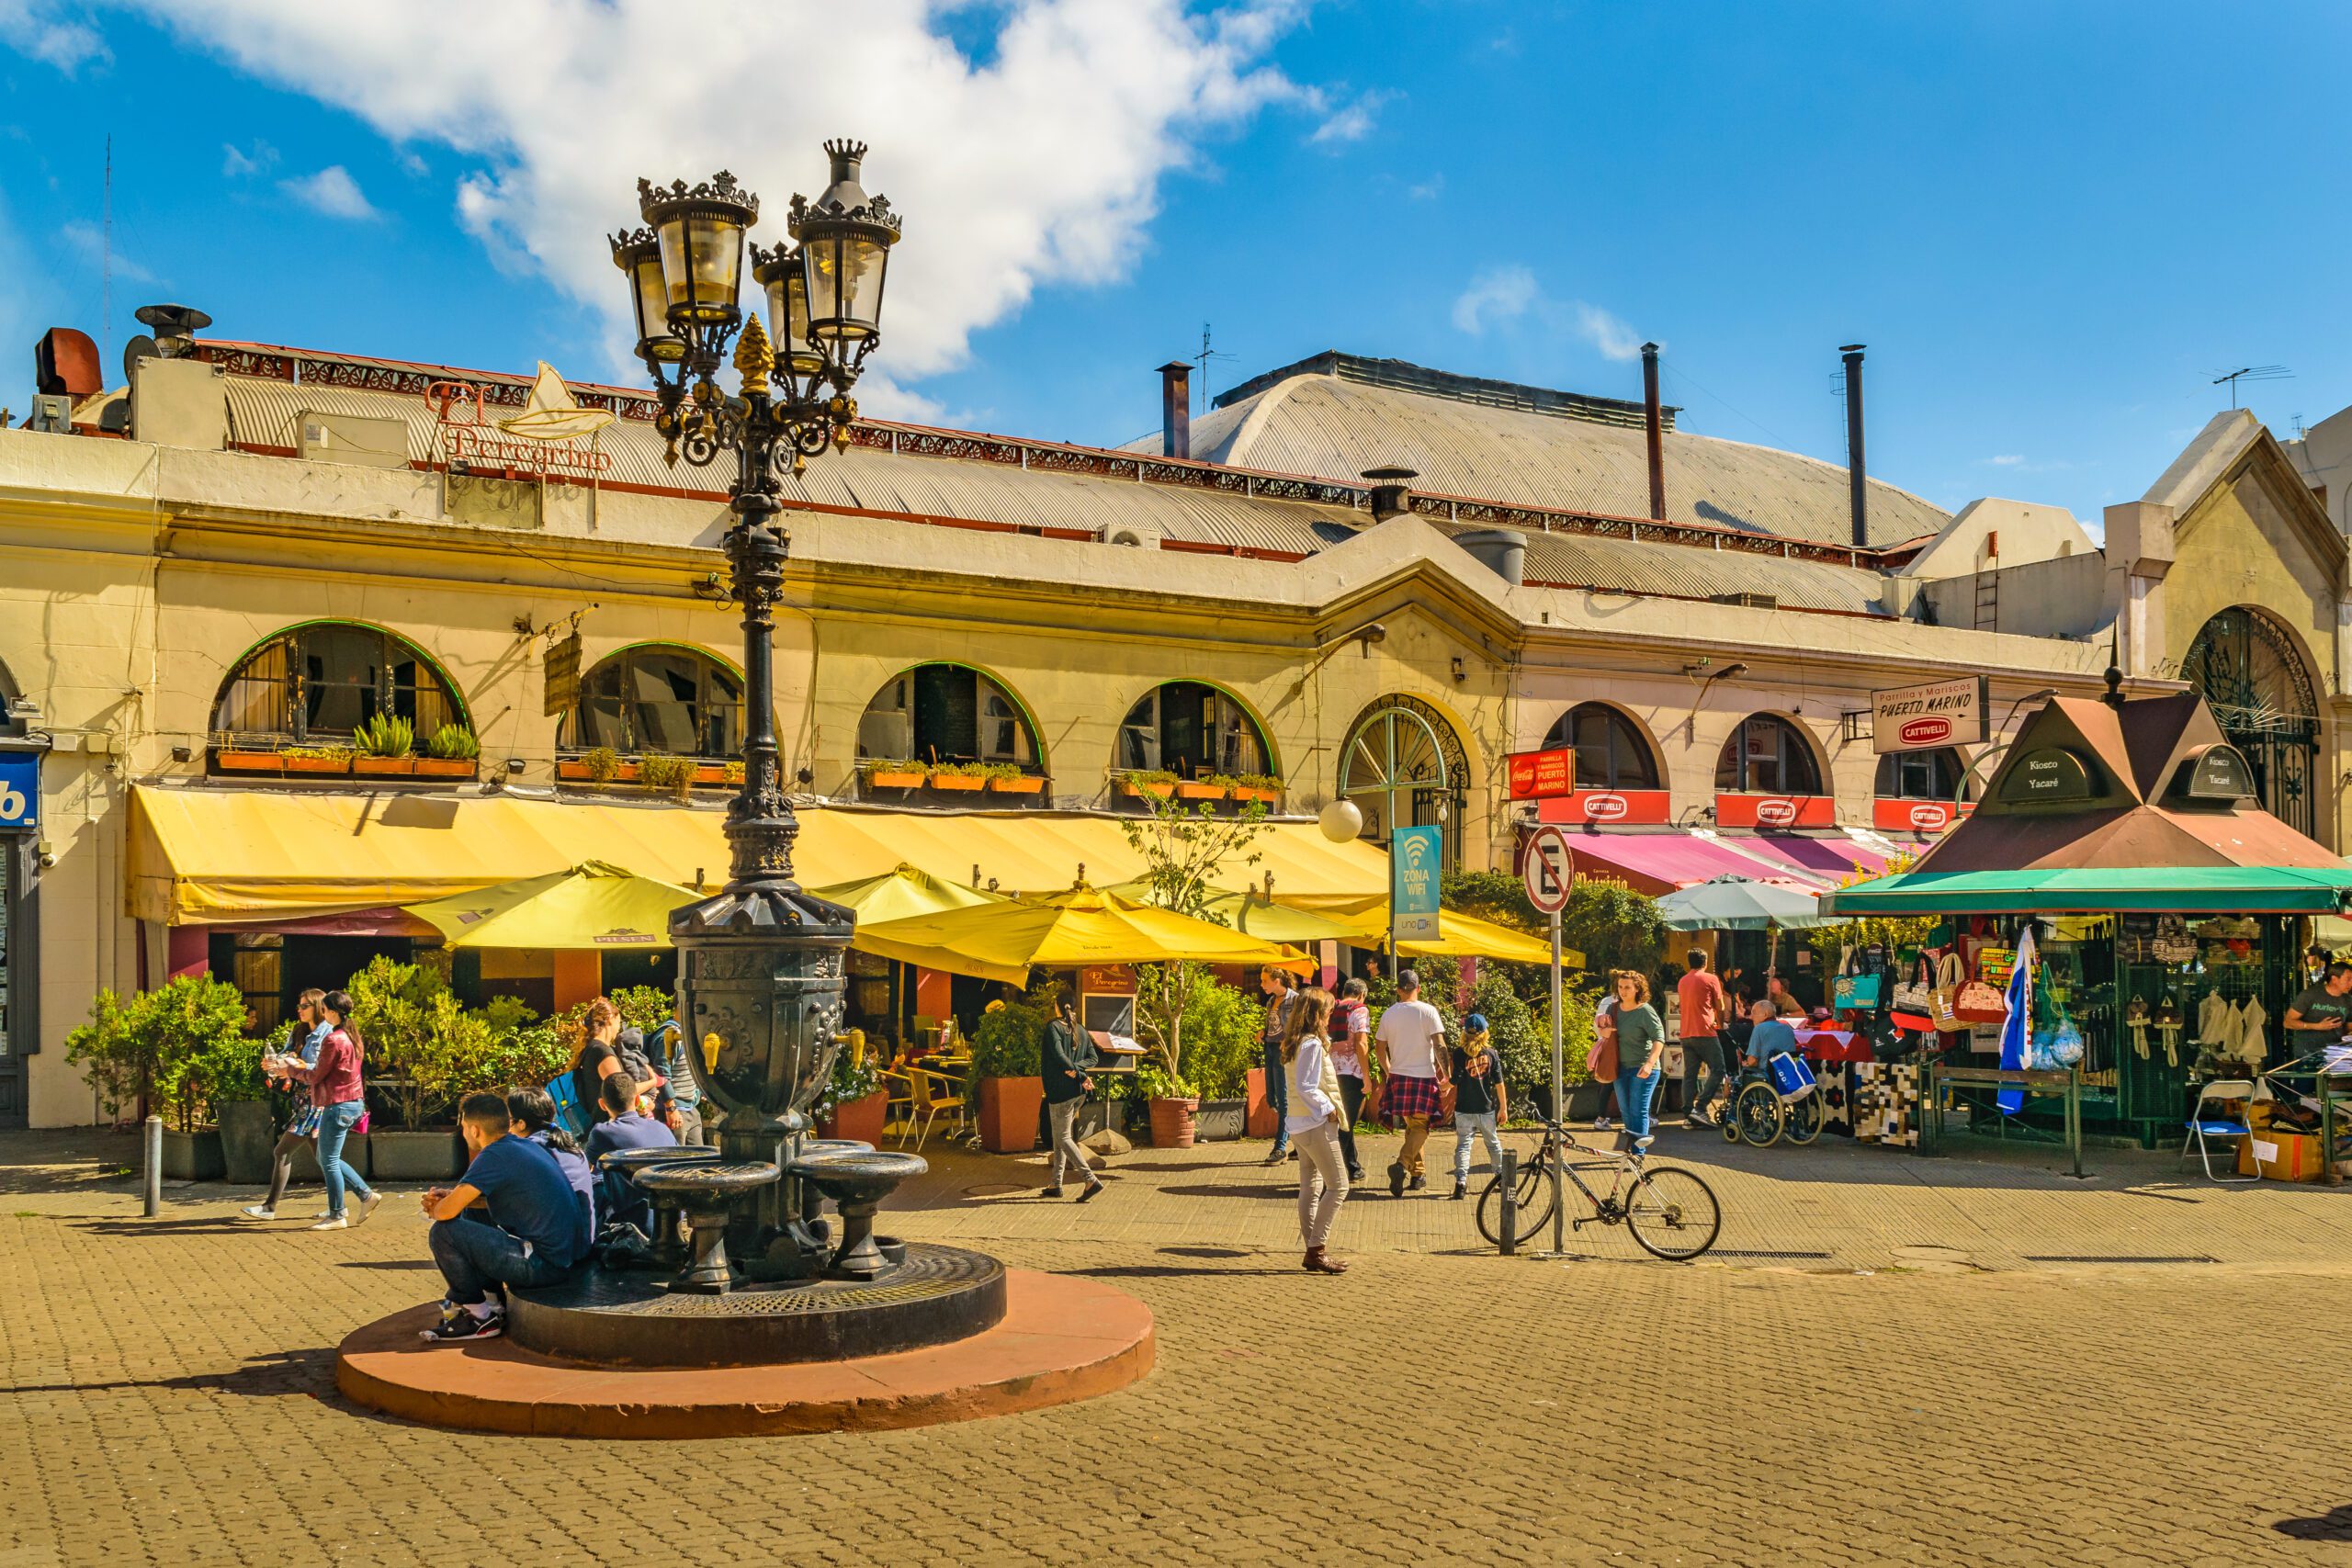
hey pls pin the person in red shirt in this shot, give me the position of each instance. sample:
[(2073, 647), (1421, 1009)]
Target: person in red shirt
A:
[(1699, 998), (336, 1094)]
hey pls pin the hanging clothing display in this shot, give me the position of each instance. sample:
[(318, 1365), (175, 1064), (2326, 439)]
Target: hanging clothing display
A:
[(2250, 1021)]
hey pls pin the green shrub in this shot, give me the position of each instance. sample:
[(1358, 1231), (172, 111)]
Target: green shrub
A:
[(173, 1048), (452, 741), (1221, 1028), (1009, 1043), (602, 764), (851, 1081), (386, 735)]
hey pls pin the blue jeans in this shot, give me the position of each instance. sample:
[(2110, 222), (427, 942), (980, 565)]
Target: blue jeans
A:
[(473, 1257), (1634, 1096), (1277, 1092), (1479, 1124), (335, 1124)]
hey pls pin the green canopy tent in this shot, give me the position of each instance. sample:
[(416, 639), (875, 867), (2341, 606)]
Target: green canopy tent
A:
[(2186, 889)]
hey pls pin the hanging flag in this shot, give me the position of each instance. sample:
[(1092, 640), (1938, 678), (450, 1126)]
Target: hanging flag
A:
[(2017, 1033)]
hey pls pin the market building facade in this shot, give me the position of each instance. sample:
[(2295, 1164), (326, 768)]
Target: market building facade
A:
[(219, 578)]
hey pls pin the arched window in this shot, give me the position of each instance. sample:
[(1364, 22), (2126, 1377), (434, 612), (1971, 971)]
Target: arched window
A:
[(1920, 775), (2251, 674), (1612, 751), (1193, 730), (947, 713), (658, 697), (1768, 755), (1403, 766), (322, 681)]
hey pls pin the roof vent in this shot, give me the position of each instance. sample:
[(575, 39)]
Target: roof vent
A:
[(1747, 601), (1390, 487), (176, 327)]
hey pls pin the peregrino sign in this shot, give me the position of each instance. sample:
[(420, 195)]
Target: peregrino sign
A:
[(1916, 718), (1416, 856)]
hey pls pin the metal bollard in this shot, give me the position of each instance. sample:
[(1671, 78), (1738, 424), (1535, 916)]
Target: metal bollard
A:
[(1508, 1175), (154, 1172)]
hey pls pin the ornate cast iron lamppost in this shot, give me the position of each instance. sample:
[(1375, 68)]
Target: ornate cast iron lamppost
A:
[(760, 962)]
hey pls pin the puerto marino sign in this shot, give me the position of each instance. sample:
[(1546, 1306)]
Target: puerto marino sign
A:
[(1915, 718)]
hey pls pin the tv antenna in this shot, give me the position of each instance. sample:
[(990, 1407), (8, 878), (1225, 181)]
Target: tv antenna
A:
[(2251, 373), (1202, 359), (105, 252)]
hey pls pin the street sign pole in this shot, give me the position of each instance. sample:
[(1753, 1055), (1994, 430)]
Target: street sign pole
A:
[(1548, 873), (1560, 1100)]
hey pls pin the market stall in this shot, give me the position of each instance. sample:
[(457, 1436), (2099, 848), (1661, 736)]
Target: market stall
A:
[(2164, 912)]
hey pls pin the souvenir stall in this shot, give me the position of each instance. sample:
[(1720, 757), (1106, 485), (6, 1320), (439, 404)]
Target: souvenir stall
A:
[(2119, 844)]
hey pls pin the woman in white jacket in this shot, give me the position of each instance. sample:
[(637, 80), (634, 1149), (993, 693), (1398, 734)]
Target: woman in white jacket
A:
[(1314, 1123)]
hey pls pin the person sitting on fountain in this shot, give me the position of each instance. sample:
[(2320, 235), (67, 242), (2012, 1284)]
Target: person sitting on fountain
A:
[(534, 1113), (532, 1233), (626, 1128)]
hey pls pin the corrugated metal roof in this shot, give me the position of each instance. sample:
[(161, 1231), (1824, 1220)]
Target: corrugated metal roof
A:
[(1336, 429), (1575, 560)]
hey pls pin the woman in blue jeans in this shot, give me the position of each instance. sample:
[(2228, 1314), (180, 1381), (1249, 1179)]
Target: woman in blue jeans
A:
[(336, 1094), (1640, 1042)]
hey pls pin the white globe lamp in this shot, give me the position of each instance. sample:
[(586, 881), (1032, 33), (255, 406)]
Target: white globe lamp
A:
[(1342, 820)]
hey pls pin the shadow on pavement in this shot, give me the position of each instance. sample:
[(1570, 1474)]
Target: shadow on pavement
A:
[(280, 1372), (2334, 1525)]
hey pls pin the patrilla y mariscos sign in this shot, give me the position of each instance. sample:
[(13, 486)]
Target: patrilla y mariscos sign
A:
[(1918, 718)]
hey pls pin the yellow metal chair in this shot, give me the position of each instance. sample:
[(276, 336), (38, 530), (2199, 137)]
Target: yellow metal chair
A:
[(898, 1106), (930, 1101)]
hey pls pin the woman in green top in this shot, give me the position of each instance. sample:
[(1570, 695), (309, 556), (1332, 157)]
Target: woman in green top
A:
[(1641, 1040)]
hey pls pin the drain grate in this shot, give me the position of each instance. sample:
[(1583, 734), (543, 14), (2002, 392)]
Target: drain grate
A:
[(2095, 1257), (1735, 1252)]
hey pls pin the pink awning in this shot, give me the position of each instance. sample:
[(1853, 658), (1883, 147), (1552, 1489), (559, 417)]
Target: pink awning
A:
[(1825, 861), (1661, 863)]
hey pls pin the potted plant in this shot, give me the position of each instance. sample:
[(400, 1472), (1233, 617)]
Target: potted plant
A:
[(233, 756), (1221, 1029), (240, 1109), (891, 773), (450, 752), (661, 773), (958, 775), (1210, 788), (165, 1049), (1174, 1105), (1261, 787), (732, 772), (383, 746), (855, 1103), (1152, 784), (411, 1029), (1006, 778), (597, 765), (1007, 1050), (316, 759)]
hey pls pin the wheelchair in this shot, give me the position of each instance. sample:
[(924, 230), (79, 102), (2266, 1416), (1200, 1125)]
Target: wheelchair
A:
[(1780, 1100)]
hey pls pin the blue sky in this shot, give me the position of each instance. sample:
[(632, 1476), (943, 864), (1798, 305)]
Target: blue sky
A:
[(2052, 224)]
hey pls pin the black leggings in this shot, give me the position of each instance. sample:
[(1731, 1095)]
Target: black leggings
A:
[(282, 1165), (1351, 1107)]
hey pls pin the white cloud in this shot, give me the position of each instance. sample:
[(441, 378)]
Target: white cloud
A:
[(1042, 166), (331, 191), (1429, 189), (2005, 461), (237, 164), (35, 28), (1611, 336), (1496, 295), (89, 246), (1352, 123)]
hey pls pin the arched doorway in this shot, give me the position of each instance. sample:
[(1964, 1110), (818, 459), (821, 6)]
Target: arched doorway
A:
[(2248, 669), (1404, 767)]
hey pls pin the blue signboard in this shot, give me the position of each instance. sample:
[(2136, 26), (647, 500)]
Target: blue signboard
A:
[(1416, 856), (20, 790)]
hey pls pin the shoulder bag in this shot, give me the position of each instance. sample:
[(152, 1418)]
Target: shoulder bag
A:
[(1600, 1062), (1854, 992), (1942, 1000)]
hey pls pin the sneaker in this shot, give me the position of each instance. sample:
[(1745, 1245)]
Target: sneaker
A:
[(1273, 1158), (1419, 1184), (1603, 1124), (1460, 1190), (333, 1223), (458, 1325), (1396, 1181), (1697, 1123), (259, 1212), (367, 1207)]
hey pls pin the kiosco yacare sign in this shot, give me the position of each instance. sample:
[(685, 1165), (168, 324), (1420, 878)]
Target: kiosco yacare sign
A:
[(1416, 856), (20, 790), (1918, 718)]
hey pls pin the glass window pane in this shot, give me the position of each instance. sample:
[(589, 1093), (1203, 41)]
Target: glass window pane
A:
[(722, 717), (598, 718), (255, 701), (660, 689), (341, 677)]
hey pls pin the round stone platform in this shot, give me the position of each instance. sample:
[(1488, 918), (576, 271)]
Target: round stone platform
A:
[(1061, 1339), (940, 1294)]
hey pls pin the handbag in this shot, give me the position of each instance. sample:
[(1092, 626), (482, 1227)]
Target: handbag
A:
[(1949, 976), (568, 1113), (1600, 1062), (1911, 996), (1853, 992), (1977, 1002)]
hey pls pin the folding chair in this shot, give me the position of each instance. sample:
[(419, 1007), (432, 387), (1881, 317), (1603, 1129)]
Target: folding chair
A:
[(898, 1107), (2224, 1093), (929, 1102)]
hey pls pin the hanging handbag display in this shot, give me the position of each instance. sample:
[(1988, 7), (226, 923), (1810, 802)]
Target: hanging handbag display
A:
[(1977, 1002), (1943, 1001), (1911, 996), (1854, 992)]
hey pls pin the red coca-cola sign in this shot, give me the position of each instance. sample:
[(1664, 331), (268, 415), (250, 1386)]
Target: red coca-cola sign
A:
[(1925, 731)]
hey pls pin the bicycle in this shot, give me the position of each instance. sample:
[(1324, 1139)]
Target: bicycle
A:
[(1670, 1211)]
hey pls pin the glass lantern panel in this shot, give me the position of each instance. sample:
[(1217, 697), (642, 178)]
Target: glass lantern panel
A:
[(702, 261), (653, 297)]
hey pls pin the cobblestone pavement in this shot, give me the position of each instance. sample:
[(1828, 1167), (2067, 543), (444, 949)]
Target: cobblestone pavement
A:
[(1889, 1359)]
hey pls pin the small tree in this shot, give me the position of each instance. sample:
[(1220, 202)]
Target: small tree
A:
[(1184, 848), (394, 1007), (168, 1047)]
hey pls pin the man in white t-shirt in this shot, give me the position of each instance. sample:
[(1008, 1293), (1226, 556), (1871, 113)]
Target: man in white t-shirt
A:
[(1412, 1049)]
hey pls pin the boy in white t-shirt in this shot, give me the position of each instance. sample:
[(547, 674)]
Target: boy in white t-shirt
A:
[(1411, 1042)]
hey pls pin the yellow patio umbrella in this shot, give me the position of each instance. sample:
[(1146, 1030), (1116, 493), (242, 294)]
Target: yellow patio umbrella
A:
[(1254, 917), (1458, 936), (902, 894), (593, 905), (1079, 925)]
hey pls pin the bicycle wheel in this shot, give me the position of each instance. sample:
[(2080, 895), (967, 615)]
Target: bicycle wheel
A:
[(1533, 1210), (1672, 1213), (1803, 1119), (1757, 1111)]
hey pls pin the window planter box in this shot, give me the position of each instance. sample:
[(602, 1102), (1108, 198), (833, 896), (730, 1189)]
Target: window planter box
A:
[(1251, 791), (232, 761), (338, 765), (882, 779), (1188, 789), (573, 771), (1027, 784), (396, 767), (957, 780), (447, 767), (1157, 789), (710, 774)]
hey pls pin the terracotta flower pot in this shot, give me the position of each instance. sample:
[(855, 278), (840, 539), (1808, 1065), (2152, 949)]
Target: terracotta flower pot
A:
[(879, 779), (1159, 789), (1247, 793), (1027, 784), (235, 762), (1172, 1123), (1008, 1114), (860, 1118), (574, 770), (1188, 789), (398, 767), (317, 764), (1262, 1120), (957, 780), (447, 767)]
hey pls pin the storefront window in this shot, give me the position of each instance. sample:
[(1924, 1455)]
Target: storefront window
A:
[(1920, 775), (946, 713), (658, 697), (1767, 755), (1611, 752), (323, 681), (1193, 730)]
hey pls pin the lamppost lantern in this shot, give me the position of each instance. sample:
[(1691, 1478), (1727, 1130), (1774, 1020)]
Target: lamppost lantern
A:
[(782, 275), (638, 256), (701, 233), (845, 238)]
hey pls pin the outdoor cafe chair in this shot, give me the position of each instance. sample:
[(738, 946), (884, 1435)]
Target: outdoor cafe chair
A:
[(898, 1106), (928, 1102), (2222, 1093)]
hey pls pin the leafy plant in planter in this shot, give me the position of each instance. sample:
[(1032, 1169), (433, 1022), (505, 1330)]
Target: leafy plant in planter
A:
[(958, 775), (1008, 1055), (453, 742), (386, 735), (1148, 783), (660, 773), (602, 764), (168, 1047), (394, 1007), (891, 773), (1183, 849)]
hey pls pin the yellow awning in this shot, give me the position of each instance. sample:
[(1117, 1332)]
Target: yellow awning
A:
[(902, 894), (1458, 936), (210, 855), (592, 907)]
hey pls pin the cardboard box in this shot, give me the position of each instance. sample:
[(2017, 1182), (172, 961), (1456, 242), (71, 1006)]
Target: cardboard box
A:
[(2279, 1156)]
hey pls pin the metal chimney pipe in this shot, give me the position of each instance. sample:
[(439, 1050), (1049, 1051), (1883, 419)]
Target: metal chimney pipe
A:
[(1390, 487), (1656, 426), (1176, 409), (1857, 479)]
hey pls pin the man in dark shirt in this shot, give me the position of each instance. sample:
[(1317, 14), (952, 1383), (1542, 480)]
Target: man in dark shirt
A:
[(533, 1235), (1479, 1099), (624, 1128), (2325, 1008)]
